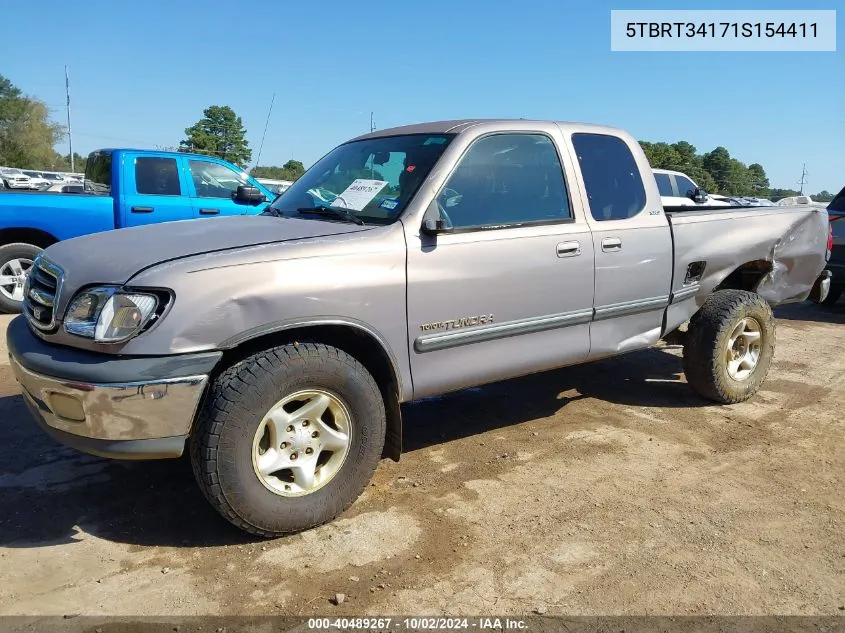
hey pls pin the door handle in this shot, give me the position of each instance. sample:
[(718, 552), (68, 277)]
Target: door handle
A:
[(568, 249), (209, 211), (610, 244), (142, 209)]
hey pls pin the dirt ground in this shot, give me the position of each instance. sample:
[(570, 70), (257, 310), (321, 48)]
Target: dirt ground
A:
[(603, 489)]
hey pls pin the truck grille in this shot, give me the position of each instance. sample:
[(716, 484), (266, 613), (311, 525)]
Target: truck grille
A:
[(41, 292)]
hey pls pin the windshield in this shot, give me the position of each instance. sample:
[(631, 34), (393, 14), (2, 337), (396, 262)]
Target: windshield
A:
[(374, 179)]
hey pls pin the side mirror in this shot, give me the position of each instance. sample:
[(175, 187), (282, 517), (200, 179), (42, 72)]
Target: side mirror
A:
[(249, 194), (432, 226), (700, 196)]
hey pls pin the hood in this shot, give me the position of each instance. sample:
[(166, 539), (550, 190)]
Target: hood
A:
[(113, 257)]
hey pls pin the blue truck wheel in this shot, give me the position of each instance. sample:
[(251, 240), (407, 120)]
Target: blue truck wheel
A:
[(15, 261)]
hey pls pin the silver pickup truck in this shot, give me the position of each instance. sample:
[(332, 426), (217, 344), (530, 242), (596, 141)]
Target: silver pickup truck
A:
[(405, 263)]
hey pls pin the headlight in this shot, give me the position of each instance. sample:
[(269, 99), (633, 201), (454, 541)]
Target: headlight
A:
[(109, 315)]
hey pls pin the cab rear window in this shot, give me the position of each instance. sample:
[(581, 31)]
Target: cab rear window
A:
[(98, 173)]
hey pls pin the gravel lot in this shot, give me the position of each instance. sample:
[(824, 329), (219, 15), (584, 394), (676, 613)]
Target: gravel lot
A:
[(602, 489)]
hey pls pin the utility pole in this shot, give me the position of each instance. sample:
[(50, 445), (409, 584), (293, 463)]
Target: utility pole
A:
[(372, 123), (69, 132), (803, 178)]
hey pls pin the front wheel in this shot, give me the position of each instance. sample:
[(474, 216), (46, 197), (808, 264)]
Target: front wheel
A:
[(288, 438), (729, 346), (15, 262)]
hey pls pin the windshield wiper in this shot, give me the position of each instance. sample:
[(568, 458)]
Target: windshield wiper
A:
[(333, 212)]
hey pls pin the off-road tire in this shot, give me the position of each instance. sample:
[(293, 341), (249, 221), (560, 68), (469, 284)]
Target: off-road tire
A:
[(238, 399), (832, 297), (705, 348), (9, 252)]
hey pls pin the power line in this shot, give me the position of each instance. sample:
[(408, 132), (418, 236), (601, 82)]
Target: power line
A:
[(267, 123)]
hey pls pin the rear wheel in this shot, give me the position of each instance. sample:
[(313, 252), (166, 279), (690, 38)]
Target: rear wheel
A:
[(15, 262), (730, 345), (288, 438)]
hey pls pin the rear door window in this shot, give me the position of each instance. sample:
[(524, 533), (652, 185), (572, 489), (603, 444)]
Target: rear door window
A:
[(611, 176), (157, 176), (664, 184)]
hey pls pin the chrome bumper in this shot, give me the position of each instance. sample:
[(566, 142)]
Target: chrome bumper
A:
[(821, 288), (119, 412)]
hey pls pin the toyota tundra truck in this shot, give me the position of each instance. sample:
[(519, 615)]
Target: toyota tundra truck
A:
[(277, 349)]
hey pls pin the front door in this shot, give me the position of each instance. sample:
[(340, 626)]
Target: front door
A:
[(633, 246), (509, 290), (214, 187)]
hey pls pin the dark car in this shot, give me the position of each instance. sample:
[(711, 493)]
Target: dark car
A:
[(836, 265)]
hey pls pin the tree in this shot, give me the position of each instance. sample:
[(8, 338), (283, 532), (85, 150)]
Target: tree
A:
[(294, 168), (221, 133), (291, 170), (758, 180), (62, 163), (27, 135), (777, 194), (823, 196), (680, 156)]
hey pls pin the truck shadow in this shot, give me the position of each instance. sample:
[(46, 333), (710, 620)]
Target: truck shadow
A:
[(813, 313), (52, 495), (649, 378)]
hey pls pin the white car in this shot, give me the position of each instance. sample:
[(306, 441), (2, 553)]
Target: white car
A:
[(276, 186), (55, 178), (37, 179), (678, 190), (15, 178)]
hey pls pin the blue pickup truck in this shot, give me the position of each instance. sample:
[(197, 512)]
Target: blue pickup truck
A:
[(123, 188)]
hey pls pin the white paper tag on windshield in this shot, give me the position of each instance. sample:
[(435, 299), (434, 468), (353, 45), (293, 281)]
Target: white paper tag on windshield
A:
[(357, 195)]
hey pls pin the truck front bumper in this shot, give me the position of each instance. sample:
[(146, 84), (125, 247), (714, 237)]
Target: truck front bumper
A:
[(118, 407)]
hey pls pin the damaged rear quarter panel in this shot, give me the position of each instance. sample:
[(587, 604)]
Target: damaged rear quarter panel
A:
[(792, 240)]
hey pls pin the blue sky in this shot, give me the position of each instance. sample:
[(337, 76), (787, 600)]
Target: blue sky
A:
[(142, 72)]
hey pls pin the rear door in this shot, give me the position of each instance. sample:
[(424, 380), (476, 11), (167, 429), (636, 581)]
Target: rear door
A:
[(154, 190), (632, 244), (213, 186)]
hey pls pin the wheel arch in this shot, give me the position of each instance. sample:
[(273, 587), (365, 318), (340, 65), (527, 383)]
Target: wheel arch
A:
[(356, 339), (746, 276), (36, 237)]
